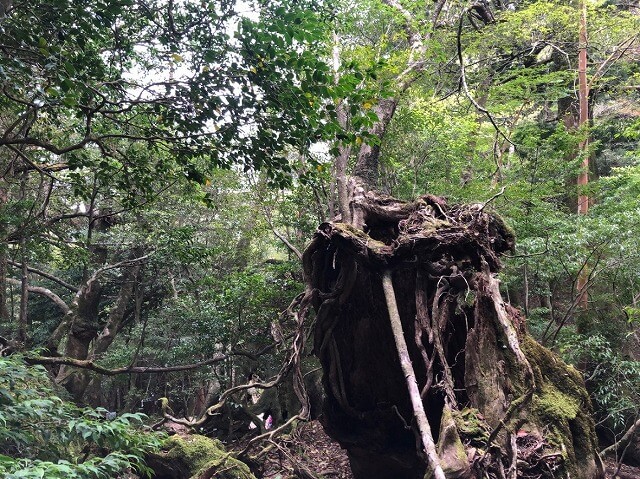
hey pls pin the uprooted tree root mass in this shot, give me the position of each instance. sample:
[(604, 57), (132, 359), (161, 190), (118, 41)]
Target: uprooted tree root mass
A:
[(497, 404)]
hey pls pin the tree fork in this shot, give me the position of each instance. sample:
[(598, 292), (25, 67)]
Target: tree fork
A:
[(410, 377)]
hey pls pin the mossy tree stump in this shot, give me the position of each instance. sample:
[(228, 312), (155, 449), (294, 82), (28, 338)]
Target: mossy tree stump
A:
[(497, 403)]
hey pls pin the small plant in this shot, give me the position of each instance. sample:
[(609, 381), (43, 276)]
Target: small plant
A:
[(43, 436)]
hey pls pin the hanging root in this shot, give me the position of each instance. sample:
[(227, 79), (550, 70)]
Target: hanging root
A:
[(510, 334), (438, 323), (412, 384)]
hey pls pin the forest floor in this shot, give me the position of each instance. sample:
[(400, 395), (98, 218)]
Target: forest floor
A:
[(625, 472), (307, 453)]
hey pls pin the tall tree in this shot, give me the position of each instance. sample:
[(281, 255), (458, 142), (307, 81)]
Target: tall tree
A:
[(106, 105), (583, 123)]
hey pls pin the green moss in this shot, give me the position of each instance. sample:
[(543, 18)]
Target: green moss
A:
[(204, 458), (374, 245), (472, 426), (562, 404), (555, 405), (451, 451)]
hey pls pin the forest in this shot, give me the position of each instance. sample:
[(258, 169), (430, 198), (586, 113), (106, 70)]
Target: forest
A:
[(370, 239)]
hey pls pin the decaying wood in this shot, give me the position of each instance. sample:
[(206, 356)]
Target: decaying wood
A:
[(433, 349)]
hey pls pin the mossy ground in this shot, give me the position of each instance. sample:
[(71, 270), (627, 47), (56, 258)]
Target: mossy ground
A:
[(199, 457)]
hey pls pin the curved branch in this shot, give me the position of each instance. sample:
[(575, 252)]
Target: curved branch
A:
[(92, 366), (286, 242), (623, 440), (465, 86), (44, 292), (131, 369), (29, 141)]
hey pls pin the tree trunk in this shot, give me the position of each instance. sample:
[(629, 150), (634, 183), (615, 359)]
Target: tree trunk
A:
[(366, 170), (4, 310), (23, 315), (105, 338), (498, 404), (583, 177), (83, 329)]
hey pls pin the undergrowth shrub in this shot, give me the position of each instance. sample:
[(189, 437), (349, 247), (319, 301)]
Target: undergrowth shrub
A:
[(44, 436)]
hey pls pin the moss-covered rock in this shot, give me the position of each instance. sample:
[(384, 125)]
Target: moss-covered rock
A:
[(196, 457)]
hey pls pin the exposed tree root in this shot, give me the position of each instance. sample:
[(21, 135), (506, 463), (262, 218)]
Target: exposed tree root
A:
[(458, 347), (410, 376)]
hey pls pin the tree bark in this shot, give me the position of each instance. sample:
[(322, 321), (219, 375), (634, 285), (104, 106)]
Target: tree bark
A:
[(82, 330), (367, 165), (480, 377)]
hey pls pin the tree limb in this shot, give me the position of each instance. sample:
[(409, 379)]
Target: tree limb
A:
[(465, 86), (281, 237), (92, 366), (126, 262), (44, 274), (287, 243), (44, 292), (622, 441), (618, 52)]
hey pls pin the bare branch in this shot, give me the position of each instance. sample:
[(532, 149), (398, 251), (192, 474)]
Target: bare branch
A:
[(44, 292), (44, 274), (618, 52), (126, 262), (28, 161), (499, 193), (45, 145), (465, 86), (623, 440)]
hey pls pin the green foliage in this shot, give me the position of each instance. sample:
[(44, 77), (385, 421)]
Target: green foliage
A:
[(139, 115), (44, 436), (429, 148), (102, 84), (611, 379)]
